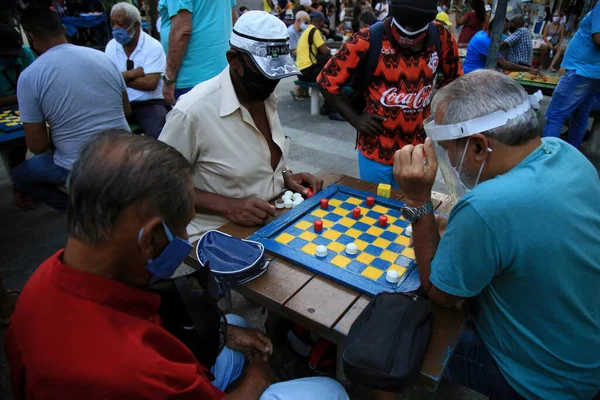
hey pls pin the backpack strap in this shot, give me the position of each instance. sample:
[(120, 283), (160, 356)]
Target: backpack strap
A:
[(311, 41), (433, 37), (365, 69)]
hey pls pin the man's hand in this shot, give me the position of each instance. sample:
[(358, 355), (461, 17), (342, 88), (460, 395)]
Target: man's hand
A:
[(134, 74), (414, 175), (169, 93), (369, 124), (249, 211), (251, 342), (536, 72), (294, 182)]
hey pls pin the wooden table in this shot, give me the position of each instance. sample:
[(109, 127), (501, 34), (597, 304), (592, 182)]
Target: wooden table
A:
[(531, 86), (329, 309)]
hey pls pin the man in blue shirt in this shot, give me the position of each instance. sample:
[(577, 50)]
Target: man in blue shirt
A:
[(76, 91), (195, 36), (477, 53), (521, 245), (573, 96)]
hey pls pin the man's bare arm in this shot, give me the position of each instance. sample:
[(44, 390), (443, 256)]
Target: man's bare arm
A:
[(36, 137), (181, 32), (247, 211), (8, 100), (148, 82)]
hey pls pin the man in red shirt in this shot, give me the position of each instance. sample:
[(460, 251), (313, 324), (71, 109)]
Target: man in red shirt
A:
[(87, 327), (398, 93)]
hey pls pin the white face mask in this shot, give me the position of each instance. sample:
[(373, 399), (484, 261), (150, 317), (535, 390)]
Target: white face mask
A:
[(555, 19)]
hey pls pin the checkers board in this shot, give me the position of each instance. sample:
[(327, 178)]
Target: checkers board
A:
[(533, 83), (292, 237), (10, 120)]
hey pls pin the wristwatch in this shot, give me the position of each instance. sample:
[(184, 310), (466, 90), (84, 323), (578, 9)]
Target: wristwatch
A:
[(413, 214), (286, 170), (167, 80)]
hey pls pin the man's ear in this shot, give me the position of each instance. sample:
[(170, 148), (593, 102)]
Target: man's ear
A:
[(152, 238), (480, 145), (233, 58)]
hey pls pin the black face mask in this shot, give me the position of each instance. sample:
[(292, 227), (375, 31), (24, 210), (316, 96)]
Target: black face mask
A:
[(256, 85)]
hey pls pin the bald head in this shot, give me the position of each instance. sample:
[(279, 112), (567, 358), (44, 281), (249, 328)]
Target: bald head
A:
[(117, 170)]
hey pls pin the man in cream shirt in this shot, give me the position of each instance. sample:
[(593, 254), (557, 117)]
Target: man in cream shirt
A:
[(228, 127)]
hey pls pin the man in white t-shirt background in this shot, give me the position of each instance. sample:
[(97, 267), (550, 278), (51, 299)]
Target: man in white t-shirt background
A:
[(141, 60), (381, 10)]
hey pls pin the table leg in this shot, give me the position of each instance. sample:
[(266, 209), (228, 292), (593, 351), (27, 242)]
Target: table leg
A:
[(314, 101)]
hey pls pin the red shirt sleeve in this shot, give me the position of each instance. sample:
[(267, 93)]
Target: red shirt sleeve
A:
[(339, 69), (451, 65)]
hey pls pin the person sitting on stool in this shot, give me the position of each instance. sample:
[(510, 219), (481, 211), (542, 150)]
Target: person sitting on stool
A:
[(141, 59)]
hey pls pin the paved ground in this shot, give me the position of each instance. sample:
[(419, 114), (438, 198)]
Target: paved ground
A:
[(28, 238)]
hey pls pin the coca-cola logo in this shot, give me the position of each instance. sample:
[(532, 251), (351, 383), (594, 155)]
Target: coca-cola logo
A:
[(396, 98)]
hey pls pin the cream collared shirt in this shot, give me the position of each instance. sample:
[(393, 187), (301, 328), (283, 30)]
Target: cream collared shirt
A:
[(231, 157)]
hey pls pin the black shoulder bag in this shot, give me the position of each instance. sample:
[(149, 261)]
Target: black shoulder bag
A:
[(189, 312), (386, 344)]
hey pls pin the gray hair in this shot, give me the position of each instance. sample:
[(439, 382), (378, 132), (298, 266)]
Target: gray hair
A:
[(131, 11), (117, 169), (483, 92), (300, 15)]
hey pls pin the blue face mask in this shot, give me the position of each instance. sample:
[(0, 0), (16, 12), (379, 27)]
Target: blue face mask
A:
[(171, 257), (303, 26), (122, 36)]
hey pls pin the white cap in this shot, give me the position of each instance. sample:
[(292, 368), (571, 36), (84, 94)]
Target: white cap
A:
[(321, 251), (351, 248), (288, 203), (264, 37), (392, 276)]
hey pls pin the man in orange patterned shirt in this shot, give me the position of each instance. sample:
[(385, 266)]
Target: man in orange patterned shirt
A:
[(398, 93)]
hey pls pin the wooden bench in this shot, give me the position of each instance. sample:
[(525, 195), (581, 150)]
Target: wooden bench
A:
[(314, 95)]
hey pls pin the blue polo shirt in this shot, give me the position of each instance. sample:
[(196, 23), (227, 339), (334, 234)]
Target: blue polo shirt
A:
[(583, 55), (525, 247), (211, 27), (477, 52)]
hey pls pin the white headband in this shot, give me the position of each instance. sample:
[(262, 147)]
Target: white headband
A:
[(480, 124)]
